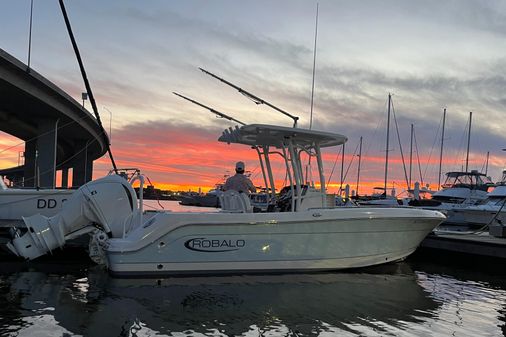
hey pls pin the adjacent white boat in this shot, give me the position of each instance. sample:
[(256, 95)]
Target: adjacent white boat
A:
[(460, 190), (301, 233), (15, 203), (485, 211)]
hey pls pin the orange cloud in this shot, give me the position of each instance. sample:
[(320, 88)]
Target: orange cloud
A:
[(11, 149), (186, 157)]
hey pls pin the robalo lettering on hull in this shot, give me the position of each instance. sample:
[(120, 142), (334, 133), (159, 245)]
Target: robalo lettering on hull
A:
[(214, 245)]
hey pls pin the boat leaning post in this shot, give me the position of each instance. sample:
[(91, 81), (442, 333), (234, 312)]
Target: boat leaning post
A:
[(297, 177), (139, 177), (320, 171)]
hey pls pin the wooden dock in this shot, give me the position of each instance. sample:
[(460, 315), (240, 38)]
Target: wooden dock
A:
[(477, 244)]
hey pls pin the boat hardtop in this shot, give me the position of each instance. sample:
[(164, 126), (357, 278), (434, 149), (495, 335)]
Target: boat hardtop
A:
[(280, 136)]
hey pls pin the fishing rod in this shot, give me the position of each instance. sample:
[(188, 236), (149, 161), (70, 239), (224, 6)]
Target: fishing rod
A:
[(219, 114), (252, 97), (87, 84)]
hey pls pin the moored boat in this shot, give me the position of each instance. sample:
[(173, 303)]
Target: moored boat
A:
[(483, 213), (15, 203), (301, 232), (460, 191)]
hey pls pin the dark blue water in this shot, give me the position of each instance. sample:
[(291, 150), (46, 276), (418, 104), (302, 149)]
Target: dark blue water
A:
[(76, 298), (424, 296)]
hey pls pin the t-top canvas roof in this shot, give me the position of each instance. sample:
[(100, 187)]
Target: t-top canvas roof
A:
[(273, 135), (460, 173)]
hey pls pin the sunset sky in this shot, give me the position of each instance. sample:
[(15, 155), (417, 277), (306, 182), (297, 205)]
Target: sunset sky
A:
[(429, 54)]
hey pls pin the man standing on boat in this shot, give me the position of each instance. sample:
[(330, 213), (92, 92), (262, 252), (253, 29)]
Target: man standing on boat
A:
[(239, 182)]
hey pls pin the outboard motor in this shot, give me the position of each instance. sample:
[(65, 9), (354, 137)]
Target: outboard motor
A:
[(109, 203)]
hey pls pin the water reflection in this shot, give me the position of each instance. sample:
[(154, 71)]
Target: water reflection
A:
[(90, 302), (63, 300)]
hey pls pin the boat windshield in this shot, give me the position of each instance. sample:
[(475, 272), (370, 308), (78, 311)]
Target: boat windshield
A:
[(379, 191), (471, 180), (493, 201)]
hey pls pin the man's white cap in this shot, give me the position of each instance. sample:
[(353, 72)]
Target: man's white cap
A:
[(239, 166)]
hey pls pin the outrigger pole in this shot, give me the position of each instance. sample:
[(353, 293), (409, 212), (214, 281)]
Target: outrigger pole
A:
[(254, 98), (87, 84), (219, 114), (222, 115)]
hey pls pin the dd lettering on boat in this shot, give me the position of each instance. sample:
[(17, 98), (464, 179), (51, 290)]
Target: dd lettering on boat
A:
[(214, 245), (47, 203)]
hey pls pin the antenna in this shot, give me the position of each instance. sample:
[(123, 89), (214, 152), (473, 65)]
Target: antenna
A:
[(314, 66), (252, 97), (219, 114)]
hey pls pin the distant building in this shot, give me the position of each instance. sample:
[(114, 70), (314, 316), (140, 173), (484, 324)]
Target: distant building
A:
[(152, 193)]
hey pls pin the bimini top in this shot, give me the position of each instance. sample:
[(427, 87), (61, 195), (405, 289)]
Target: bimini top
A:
[(467, 179), (273, 135), (460, 173)]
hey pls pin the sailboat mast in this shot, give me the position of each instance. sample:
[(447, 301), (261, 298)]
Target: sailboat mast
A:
[(441, 152), (359, 162), (342, 171), (410, 157), (468, 140), (388, 144), (486, 165)]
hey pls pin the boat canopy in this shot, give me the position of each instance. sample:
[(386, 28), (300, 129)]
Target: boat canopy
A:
[(459, 173), (473, 179), (277, 136), (290, 143)]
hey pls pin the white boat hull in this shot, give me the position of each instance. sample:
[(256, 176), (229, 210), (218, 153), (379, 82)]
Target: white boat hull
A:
[(314, 240), (475, 216), (18, 203)]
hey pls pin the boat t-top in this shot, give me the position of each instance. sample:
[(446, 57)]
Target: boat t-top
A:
[(300, 231)]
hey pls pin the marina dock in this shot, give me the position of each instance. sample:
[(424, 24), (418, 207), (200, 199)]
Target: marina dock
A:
[(476, 244)]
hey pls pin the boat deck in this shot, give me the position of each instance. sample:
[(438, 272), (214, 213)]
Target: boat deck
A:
[(480, 244)]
